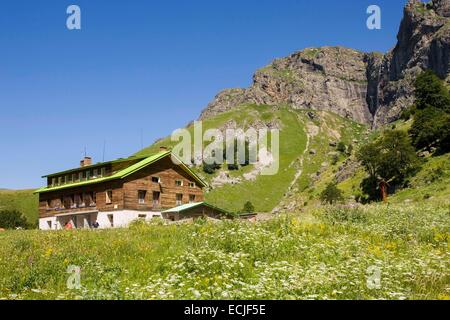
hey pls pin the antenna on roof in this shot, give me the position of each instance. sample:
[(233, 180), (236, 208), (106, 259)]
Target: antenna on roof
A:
[(85, 153)]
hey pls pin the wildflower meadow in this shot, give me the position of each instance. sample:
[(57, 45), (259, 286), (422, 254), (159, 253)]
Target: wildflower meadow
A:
[(372, 252)]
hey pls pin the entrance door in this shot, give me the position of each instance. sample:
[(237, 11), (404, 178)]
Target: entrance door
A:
[(111, 220), (74, 221)]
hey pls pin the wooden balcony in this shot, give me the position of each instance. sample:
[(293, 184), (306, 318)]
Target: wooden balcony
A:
[(75, 208)]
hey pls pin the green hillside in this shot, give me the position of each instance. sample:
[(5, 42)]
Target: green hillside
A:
[(21, 200), (304, 147)]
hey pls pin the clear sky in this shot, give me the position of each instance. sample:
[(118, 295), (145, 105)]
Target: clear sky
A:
[(145, 66)]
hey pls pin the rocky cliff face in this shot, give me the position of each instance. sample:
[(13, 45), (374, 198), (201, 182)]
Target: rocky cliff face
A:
[(370, 88), (328, 78), (423, 42)]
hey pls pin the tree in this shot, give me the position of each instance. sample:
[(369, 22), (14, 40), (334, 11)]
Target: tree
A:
[(210, 168), (235, 165), (341, 147), (331, 194), (430, 91), (12, 220), (431, 129), (431, 126), (248, 207), (389, 160)]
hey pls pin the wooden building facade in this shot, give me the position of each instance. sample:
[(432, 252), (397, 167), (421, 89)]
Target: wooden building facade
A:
[(115, 193)]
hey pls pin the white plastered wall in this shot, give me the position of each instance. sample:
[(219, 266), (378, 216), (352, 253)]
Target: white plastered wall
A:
[(113, 219)]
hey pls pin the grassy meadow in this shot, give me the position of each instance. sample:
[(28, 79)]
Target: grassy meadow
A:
[(21, 200), (330, 253)]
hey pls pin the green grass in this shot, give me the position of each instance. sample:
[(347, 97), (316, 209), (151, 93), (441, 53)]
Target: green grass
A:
[(21, 200), (266, 192), (311, 53), (430, 184), (347, 130), (324, 255)]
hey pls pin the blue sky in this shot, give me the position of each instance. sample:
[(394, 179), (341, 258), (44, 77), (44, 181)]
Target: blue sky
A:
[(145, 66)]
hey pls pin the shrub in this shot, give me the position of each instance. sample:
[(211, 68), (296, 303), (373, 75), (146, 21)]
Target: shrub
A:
[(341, 147), (13, 220), (334, 159), (339, 215), (248, 207), (349, 149), (331, 194), (210, 168), (431, 126)]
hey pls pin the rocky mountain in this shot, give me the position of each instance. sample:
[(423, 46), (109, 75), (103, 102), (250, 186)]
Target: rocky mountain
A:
[(370, 88)]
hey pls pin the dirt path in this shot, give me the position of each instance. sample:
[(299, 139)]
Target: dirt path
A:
[(310, 130)]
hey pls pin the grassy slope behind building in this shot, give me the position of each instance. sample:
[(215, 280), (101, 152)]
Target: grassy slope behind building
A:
[(296, 128), (21, 200)]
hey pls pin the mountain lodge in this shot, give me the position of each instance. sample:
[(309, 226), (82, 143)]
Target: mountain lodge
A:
[(112, 194)]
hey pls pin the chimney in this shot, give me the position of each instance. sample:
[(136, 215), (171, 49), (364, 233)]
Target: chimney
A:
[(87, 161)]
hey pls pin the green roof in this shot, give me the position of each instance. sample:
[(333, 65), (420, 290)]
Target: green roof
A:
[(125, 173), (100, 164), (188, 206)]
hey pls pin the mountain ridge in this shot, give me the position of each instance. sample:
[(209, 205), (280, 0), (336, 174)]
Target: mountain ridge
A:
[(370, 88)]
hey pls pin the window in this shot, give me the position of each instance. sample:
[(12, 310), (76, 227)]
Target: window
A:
[(141, 196), (191, 198), (80, 176), (53, 182), (79, 200), (191, 184), (49, 224), (69, 178), (71, 201), (89, 199), (59, 181), (74, 177), (88, 175), (95, 173), (142, 216), (179, 199), (108, 196), (179, 183), (156, 196), (156, 179), (103, 172)]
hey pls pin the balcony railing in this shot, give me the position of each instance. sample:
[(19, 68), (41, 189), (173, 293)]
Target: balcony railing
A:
[(74, 206)]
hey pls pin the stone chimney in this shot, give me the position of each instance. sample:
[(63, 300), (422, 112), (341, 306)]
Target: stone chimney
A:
[(87, 161)]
